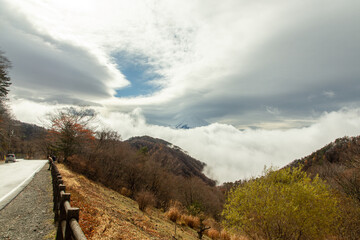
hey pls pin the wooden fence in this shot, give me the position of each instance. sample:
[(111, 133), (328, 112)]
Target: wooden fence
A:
[(66, 217)]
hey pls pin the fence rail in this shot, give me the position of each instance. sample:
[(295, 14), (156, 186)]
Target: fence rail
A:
[(66, 217)]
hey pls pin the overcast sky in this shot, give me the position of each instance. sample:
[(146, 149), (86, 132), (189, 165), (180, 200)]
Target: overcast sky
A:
[(266, 68)]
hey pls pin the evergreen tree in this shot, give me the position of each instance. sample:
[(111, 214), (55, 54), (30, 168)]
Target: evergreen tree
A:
[(5, 83)]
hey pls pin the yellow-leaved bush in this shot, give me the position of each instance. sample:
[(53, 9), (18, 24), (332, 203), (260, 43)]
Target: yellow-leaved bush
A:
[(284, 204)]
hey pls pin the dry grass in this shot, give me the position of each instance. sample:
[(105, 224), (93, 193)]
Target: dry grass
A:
[(173, 214), (191, 221), (125, 192), (224, 235), (145, 200), (106, 214), (213, 234)]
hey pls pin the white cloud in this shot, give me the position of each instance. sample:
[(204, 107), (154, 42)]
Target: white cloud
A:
[(232, 154), (222, 60), (329, 94)]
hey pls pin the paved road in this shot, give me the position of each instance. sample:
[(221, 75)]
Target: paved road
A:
[(29, 215), (15, 176)]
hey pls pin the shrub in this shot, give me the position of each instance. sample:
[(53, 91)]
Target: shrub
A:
[(213, 233), (145, 199), (349, 227), (284, 204), (173, 214), (224, 235), (125, 192), (191, 221)]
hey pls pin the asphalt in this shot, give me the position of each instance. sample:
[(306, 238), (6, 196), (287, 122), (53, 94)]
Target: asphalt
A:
[(29, 215)]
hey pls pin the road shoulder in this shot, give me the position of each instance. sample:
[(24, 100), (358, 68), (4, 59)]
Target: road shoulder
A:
[(29, 215)]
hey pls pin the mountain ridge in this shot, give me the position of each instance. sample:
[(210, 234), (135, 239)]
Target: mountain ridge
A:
[(171, 157)]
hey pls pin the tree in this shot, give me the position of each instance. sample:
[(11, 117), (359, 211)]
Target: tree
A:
[(5, 117), (69, 130), (5, 65), (284, 204)]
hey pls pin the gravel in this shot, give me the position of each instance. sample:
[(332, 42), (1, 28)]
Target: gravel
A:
[(30, 215)]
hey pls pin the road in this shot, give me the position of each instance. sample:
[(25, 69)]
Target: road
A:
[(14, 177)]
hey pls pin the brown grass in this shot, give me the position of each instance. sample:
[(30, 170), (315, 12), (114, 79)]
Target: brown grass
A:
[(213, 233), (173, 214), (145, 199), (191, 221), (106, 214), (224, 235), (125, 192)]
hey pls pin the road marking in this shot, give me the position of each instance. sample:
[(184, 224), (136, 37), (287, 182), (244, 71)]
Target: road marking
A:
[(18, 186)]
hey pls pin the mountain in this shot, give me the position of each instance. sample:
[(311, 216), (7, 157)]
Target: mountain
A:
[(190, 121), (338, 163), (171, 157)]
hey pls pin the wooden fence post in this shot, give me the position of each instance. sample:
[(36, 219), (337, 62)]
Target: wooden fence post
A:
[(66, 217)]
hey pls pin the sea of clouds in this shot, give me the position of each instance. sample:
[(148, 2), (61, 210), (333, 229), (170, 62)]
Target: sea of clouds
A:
[(232, 154)]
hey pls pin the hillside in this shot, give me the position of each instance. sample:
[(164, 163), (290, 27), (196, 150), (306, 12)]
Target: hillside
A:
[(106, 214), (338, 163), (171, 157)]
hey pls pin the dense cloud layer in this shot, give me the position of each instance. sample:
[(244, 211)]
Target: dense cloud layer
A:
[(232, 154)]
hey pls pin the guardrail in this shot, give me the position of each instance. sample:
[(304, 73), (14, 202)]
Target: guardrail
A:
[(66, 217)]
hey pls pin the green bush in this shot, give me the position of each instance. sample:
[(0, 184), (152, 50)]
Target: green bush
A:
[(284, 204)]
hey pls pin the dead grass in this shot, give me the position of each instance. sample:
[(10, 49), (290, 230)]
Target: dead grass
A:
[(191, 221), (173, 214), (106, 214), (213, 234)]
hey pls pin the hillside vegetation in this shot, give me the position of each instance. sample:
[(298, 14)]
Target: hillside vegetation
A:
[(148, 166), (173, 158), (106, 214), (338, 163)]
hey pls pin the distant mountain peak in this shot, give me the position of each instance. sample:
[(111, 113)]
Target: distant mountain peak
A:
[(189, 121)]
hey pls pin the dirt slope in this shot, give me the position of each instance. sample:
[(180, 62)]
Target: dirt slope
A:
[(106, 214)]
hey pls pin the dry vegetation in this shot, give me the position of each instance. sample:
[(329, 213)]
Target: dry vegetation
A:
[(106, 214), (145, 178)]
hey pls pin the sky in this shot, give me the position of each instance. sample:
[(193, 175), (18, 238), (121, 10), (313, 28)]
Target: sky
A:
[(275, 79)]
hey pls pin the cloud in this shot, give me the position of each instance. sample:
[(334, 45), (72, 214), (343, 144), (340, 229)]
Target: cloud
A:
[(329, 94), (223, 61), (232, 154), (49, 70)]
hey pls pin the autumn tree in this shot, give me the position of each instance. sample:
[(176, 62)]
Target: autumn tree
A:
[(284, 204), (69, 130)]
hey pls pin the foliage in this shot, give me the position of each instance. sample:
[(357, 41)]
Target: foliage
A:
[(349, 221), (5, 65), (69, 131), (144, 150), (284, 204), (118, 165), (195, 208)]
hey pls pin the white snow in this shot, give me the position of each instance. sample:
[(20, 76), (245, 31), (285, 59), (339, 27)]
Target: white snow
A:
[(190, 121)]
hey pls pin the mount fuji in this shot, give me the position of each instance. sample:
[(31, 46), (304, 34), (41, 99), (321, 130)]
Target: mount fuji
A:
[(190, 121)]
